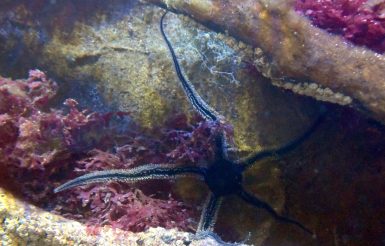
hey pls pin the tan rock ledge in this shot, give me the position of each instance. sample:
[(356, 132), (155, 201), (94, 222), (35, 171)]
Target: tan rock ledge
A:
[(295, 49)]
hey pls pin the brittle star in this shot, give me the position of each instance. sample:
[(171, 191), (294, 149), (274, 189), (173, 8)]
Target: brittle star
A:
[(223, 176)]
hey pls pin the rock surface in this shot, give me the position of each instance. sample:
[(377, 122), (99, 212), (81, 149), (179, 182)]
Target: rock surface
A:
[(124, 56)]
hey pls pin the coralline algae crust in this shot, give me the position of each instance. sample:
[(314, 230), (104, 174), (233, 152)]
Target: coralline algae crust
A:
[(25, 224)]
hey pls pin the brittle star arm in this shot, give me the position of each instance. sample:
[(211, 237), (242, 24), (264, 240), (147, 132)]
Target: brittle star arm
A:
[(253, 200), (248, 162), (197, 102), (195, 99), (209, 213), (145, 172)]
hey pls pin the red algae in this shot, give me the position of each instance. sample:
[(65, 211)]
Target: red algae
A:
[(360, 21), (42, 147)]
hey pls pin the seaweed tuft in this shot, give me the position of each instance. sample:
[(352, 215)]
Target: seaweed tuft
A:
[(40, 147), (360, 21)]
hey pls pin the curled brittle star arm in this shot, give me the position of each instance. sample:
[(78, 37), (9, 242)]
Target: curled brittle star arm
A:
[(255, 201), (276, 152)]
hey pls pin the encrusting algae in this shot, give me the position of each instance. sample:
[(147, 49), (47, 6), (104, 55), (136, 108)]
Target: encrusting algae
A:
[(25, 224)]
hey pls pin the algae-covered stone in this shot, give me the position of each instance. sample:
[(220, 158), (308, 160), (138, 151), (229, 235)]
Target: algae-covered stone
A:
[(126, 58), (123, 55)]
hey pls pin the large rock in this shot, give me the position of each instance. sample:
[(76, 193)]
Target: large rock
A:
[(118, 50)]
